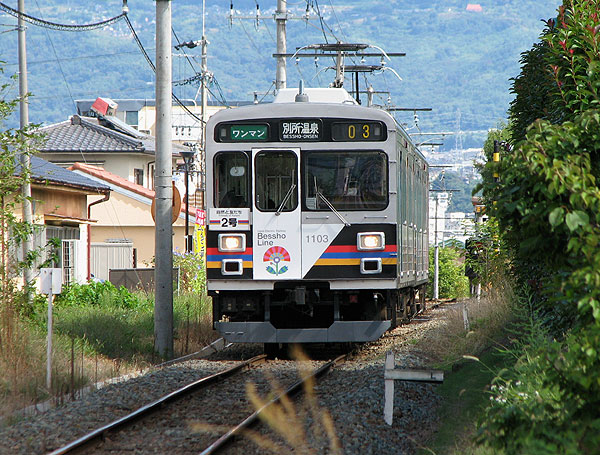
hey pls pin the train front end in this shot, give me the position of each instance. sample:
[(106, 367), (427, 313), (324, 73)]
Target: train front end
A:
[(303, 237)]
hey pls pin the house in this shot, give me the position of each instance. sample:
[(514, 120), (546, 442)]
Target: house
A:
[(61, 211), (140, 114), (126, 219), (106, 143)]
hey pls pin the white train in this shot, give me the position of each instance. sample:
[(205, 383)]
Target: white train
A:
[(317, 220)]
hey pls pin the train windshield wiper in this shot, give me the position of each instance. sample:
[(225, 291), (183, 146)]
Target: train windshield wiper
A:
[(285, 199), (330, 205)]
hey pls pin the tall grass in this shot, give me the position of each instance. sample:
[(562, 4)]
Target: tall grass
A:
[(303, 428), (193, 323), (465, 391), (99, 332), (487, 317), (23, 365)]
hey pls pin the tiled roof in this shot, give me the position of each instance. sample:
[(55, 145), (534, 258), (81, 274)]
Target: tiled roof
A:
[(86, 135), (115, 180), (43, 171)]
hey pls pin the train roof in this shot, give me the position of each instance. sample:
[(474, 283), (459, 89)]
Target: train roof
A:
[(316, 95), (322, 102), (328, 102)]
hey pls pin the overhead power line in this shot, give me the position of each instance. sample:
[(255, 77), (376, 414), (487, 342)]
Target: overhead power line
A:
[(63, 27), (151, 63)]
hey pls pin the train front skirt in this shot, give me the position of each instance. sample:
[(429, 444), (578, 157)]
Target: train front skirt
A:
[(338, 332)]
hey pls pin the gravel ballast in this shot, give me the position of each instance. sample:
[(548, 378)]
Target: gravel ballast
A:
[(353, 394)]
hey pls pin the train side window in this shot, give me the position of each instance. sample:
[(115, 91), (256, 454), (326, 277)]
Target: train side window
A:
[(231, 180)]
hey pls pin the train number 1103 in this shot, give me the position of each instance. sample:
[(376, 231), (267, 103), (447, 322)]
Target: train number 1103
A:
[(317, 238)]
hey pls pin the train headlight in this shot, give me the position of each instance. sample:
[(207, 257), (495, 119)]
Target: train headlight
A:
[(369, 241), (232, 243)]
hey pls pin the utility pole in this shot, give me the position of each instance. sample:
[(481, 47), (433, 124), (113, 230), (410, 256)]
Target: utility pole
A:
[(436, 263), (204, 104), (281, 18), (24, 157), (163, 306)]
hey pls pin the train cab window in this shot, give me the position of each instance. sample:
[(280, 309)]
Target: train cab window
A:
[(231, 180), (350, 181), (276, 181)]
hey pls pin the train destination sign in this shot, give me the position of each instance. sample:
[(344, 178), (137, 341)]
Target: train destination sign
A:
[(301, 130), (357, 131), (248, 133), (243, 133)]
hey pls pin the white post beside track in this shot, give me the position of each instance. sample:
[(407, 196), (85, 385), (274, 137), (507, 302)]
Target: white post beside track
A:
[(388, 408), (50, 284), (390, 375)]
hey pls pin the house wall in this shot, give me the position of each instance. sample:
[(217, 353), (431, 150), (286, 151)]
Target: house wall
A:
[(63, 202), (48, 200), (128, 217), (121, 164), (185, 128)]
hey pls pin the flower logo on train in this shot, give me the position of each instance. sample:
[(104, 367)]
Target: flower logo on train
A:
[(275, 256)]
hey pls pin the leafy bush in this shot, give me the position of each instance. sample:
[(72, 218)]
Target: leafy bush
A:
[(547, 203), (452, 281), (192, 272), (98, 293), (548, 403)]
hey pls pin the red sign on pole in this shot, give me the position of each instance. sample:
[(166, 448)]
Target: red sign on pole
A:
[(201, 217)]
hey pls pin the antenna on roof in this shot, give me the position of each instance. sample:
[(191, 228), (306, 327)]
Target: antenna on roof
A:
[(301, 97)]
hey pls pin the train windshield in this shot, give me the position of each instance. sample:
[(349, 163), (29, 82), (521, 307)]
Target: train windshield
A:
[(276, 181), (231, 180), (356, 180)]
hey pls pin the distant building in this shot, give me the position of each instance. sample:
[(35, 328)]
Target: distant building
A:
[(475, 7), (105, 143), (438, 206), (140, 114), (61, 211), (445, 225)]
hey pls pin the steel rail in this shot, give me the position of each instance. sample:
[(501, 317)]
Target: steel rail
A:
[(155, 406), (250, 420)]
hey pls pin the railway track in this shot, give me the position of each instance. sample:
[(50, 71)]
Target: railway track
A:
[(163, 424), (351, 395)]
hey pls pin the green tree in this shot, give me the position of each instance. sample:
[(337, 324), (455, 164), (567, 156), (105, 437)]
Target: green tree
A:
[(547, 204), (452, 281), (544, 199)]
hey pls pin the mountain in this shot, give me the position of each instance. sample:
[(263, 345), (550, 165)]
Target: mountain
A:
[(459, 60)]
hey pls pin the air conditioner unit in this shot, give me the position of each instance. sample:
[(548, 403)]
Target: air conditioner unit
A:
[(104, 106)]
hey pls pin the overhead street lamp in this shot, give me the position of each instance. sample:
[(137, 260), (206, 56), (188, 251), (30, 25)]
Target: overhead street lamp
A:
[(188, 160)]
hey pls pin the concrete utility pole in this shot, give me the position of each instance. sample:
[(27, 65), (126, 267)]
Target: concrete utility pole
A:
[(203, 89), (436, 252), (163, 306), (25, 160), (204, 104), (281, 18)]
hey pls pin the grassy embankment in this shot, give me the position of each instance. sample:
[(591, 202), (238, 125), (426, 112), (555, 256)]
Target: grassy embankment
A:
[(99, 333), (471, 359)]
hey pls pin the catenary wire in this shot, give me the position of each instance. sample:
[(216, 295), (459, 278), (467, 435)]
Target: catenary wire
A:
[(57, 26)]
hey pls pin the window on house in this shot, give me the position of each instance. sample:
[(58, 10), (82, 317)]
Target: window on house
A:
[(131, 118), (138, 176), (151, 176)]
